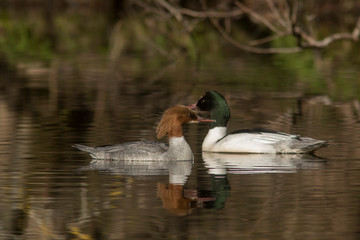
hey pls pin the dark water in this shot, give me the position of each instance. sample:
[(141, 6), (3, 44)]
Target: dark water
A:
[(52, 191)]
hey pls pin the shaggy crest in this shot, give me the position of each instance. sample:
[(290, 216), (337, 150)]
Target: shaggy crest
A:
[(173, 119)]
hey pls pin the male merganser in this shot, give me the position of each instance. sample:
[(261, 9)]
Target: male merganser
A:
[(170, 124), (247, 140)]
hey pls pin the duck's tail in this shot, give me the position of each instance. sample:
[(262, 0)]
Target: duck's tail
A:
[(311, 145), (83, 148)]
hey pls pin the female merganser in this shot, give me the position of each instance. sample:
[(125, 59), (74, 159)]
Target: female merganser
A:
[(170, 124), (247, 140)]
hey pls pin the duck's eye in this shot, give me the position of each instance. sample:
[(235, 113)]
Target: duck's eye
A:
[(191, 115), (200, 101)]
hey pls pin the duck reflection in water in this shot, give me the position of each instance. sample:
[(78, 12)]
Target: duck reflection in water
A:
[(213, 192), (175, 197), (171, 193), (224, 163)]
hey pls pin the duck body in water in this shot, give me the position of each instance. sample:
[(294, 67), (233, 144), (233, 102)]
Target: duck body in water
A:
[(247, 140), (170, 124)]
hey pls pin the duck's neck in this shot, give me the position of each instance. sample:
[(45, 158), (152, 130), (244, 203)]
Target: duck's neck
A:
[(179, 149), (221, 116), (213, 136), (176, 131), (175, 142)]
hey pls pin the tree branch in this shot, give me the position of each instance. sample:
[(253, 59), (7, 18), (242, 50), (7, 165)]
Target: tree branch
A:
[(311, 42), (257, 16), (248, 48), (283, 21), (214, 14), (277, 15), (171, 9), (149, 8)]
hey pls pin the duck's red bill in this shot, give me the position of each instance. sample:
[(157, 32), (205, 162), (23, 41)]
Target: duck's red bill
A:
[(200, 119), (192, 106)]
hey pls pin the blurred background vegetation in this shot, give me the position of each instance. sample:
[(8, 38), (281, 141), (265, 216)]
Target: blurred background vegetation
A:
[(193, 33)]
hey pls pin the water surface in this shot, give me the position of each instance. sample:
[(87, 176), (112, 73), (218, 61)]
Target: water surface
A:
[(52, 191)]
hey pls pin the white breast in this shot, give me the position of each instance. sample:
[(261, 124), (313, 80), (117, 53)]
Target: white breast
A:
[(179, 149), (253, 142)]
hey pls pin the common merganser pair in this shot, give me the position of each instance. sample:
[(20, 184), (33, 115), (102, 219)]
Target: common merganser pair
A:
[(217, 140)]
